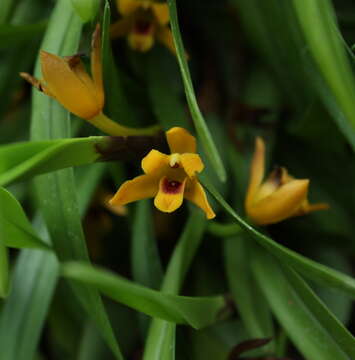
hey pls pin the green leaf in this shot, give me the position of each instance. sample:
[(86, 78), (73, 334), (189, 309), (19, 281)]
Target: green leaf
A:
[(340, 304), (299, 310), (146, 265), (5, 9), (160, 343), (11, 34), (307, 267), (4, 270), (15, 229), (324, 42), (56, 192), (33, 283), (165, 96), (87, 180), (200, 124), (116, 100), (24, 312), (246, 292), (25, 160), (197, 312), (86, 9)]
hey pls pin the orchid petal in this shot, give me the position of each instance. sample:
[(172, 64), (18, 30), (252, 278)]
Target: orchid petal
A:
[(161, 11), (195, 193), (141, 187), (256, 172), (155, 162), (191, 163), (67, 87), (96, 65), (127, 7), (170, 195), (280, 205), (121, 27), (141, 41), (180, 141), (307, 208)]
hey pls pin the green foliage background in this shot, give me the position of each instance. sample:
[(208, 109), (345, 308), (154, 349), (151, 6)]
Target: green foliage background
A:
[(80, 282)]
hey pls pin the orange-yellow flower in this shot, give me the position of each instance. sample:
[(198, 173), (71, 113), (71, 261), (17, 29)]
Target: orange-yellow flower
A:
[(66, 80), (278, 198), (168, 178), (143, 22)]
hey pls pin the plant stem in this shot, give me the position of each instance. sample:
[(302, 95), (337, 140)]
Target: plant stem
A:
[(108, 126), (223, 230)]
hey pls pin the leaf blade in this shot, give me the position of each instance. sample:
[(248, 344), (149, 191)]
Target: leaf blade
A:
[(15, 229), (295, 306), (200, 124), (307, 267), (178, 309)]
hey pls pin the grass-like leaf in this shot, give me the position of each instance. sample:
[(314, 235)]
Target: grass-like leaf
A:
[(15, 229), (298, 309), (146, 264), (160, 344), (246, 292), (25, 160), (117, 104), (56, 192), (10, 34), (4, 270), (5, 8), (318, 24), (86, 9), (309, 268), (24, 312), (200, 124), (197, 312)]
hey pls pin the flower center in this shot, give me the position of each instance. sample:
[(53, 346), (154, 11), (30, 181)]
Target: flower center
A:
[(174, 160), (171, 186), (142, 27)]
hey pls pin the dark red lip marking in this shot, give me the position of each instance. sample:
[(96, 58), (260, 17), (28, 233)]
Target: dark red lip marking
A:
[(142, 27), (171, 186)]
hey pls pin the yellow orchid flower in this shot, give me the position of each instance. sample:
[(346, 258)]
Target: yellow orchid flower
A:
[(278, 198), (168, 178), (143, 22), (66, 80)]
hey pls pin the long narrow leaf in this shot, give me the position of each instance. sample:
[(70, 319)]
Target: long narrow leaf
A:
[(318, 24), (4, 270), (24, 160), (24, 312), (15, 229), (246, 292), (56, 192), (117, 105), (309, 268), (160, 344), (146, 264), (200, 124), (10, 34), (299, 310), (197, 312)]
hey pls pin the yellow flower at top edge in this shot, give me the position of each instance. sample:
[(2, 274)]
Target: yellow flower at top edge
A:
[(66, 80), (143, 22), (278, 198), (168, 178)]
